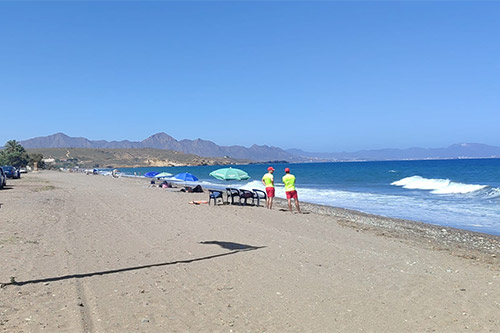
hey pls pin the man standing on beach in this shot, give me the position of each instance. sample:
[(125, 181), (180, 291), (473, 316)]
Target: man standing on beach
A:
[(268, 181), (291, 192)]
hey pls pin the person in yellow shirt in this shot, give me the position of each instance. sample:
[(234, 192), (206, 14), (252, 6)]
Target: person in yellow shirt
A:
[(268, 181), (291, 192)]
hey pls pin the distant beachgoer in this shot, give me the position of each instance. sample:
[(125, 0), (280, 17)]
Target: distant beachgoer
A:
[(268, 181), (291, 192), (196, 189)]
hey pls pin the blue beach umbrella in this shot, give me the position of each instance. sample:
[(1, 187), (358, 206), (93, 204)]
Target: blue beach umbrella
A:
[(186, 176), (151, 174)]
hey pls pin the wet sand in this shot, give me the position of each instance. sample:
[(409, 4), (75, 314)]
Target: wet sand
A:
[(97, 254)]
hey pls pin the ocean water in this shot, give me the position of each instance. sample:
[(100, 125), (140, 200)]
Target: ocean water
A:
[(463, 194)]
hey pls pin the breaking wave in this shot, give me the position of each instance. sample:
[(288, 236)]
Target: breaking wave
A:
[(437, 186)]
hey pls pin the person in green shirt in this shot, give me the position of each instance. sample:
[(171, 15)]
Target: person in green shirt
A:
[(291, 192), (268, 181)]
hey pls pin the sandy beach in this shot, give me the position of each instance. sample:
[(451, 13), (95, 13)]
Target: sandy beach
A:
[(85, 253)]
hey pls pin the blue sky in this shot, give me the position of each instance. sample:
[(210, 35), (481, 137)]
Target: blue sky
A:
[(318, 75)]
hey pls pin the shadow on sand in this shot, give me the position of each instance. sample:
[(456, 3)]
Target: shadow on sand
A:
[(234, 247)]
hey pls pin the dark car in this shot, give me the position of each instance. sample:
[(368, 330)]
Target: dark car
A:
[(3, 179), (11, 172)]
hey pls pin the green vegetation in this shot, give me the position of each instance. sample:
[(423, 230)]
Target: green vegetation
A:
[(14, 154)]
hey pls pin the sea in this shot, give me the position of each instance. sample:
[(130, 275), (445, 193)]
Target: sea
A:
[(461, 193)]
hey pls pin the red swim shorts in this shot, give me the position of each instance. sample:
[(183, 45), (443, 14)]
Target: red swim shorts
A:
[(270, 192), (291, 195)]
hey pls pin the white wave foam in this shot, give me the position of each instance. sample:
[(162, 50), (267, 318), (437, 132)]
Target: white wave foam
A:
[(254, 184), (494, 193), (437, 186)]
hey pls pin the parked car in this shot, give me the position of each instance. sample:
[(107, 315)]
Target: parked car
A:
[(3, 178), (23, 170), (11, 171)]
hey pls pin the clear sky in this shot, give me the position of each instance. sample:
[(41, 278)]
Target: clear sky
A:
[(316, 75)]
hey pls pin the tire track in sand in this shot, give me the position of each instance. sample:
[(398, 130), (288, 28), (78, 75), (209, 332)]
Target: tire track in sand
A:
[(67, 211)]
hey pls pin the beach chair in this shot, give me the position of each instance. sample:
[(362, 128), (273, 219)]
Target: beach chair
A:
[(259, 195), (214, 195), (245, 195), (232, 193)]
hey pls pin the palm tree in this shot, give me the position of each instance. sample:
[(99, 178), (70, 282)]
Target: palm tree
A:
[(14, 154), (13, 146)]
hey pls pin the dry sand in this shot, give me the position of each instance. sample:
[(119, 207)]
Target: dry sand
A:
[(96, 254)]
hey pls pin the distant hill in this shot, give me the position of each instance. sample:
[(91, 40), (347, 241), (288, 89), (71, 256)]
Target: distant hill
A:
[(456, 151), (123, 157), (255, 153), (198, 147)]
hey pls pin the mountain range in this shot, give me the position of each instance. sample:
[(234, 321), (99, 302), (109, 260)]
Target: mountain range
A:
[(198, 147), (207, 148)]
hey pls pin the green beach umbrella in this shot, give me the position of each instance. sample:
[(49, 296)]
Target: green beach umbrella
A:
[(229, 174), (163, 175)]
